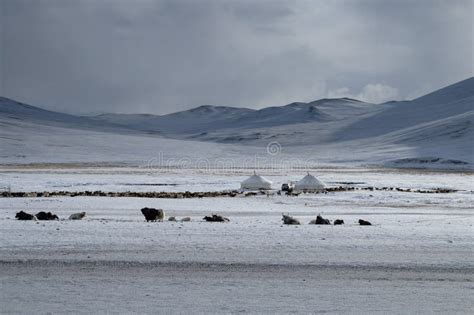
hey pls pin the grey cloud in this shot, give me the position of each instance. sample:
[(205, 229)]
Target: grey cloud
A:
[(162, 56), (371, 93)]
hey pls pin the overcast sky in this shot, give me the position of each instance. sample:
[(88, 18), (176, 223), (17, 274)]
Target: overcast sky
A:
[(158, 56)]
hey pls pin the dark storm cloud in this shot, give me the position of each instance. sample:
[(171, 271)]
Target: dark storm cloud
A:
[(162, 56)]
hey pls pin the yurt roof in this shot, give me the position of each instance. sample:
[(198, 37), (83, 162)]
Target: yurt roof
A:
[(309, 181), (256, 181)]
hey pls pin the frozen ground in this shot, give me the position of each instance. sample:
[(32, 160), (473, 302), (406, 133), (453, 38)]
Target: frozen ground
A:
[(170, 288), (417, 258)]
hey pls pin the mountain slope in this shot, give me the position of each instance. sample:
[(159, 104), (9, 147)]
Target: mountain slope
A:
[(17, 112), (200, 118), (449, 101)]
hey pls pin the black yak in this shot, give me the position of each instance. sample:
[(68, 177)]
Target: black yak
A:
[(23, 216), (152, 214), (338, 222), (215, 218), (363, 222), (320, 221), (46, 216)]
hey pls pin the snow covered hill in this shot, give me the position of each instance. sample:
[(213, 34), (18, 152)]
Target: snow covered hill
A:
[(450, 101), (208, 118), (200, 118), (16, 112), (435, 130)]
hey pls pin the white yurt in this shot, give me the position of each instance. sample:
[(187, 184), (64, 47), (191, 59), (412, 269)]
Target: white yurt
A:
[(309, 183), (256, 182)]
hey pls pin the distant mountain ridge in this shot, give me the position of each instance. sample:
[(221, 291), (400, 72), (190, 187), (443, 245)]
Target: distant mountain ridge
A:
[(211, 118), (437, 125)]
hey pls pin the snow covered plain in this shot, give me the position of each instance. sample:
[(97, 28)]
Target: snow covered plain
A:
[(418, 256)]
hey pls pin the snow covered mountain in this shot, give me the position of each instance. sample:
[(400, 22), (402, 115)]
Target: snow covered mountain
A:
[(207, 118), (200, 118), (450, 101), (437, 128), (16, 112)]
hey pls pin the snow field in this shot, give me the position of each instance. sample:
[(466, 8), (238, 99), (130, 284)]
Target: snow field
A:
[(417, 257)]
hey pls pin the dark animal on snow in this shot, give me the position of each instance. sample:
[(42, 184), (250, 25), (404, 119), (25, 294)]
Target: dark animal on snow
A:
[(77, 216), (363, 222), (215, 218), (23, 216), (338, 222), (320, 221), (152, 214), (46, 216), (172, 219), (287, 219)]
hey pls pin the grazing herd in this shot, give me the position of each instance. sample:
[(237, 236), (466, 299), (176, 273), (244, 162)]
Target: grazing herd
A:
[(287, 219), (46, 216), (158, 215), (206, 194)]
